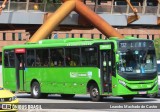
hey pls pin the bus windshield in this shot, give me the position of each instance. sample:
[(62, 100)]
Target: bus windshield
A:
[(137, 61)]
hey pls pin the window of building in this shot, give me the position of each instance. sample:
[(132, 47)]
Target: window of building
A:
[(4, 36), (122, 2), (13, 36), (19, 36), (135, 3), (152, 2)]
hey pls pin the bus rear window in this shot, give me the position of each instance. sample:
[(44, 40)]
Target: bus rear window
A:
[(9, 58)]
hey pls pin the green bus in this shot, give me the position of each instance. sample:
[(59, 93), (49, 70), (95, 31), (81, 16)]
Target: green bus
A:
[(114, 67)]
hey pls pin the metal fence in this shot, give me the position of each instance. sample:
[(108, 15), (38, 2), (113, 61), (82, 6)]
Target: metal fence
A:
[(104, 8)]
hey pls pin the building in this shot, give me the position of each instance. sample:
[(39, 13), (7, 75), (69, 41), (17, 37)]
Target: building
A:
[(21, 18)]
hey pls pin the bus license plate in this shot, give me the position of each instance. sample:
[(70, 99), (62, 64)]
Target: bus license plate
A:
[(142, 92)]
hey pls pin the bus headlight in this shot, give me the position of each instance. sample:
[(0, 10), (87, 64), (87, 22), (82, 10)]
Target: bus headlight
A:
[(156, 81), (122, 82)]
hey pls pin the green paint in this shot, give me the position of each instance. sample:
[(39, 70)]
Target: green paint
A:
[(72, 80)]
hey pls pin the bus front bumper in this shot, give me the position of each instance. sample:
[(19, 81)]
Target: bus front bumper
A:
[(136, 89)]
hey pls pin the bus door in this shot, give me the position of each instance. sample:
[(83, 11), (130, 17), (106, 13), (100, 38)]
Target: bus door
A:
[(20, 67), (106, 61)]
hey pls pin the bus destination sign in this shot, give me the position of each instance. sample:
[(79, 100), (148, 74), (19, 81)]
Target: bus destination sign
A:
[(135, 44)]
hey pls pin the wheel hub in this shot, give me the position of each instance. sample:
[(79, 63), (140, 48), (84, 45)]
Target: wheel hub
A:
[(35, 90), (94, 92)]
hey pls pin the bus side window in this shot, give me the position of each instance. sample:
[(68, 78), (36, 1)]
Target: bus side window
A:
[(37, 62), (9, 58), (6, 64), (42, 57), (89, 56), (57, 57), (46, 63), (72, 56), (51, 63), (30, 57), (70, 61), (60, 63)]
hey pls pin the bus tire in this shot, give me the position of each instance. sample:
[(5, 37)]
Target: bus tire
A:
[(35, 90), (94, 93), (67, 96), (128, 98)]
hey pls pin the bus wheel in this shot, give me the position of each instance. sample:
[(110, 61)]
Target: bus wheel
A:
[(67, 96), (35, 90), (94, 93), (128, 98)]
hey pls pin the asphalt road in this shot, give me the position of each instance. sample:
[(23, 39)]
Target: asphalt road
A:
[(82, 103)]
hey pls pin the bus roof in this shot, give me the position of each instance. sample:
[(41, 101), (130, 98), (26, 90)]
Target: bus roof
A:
[(66, 42), (58, 42)]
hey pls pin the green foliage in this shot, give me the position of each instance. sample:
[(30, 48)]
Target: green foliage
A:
[(157, 47)]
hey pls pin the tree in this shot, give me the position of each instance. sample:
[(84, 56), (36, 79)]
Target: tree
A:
[(157, 48)]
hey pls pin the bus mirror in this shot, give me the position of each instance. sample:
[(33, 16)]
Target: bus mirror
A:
[(117, 58)]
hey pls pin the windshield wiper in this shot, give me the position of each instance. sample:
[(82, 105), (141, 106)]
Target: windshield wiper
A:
[(145, 55)]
